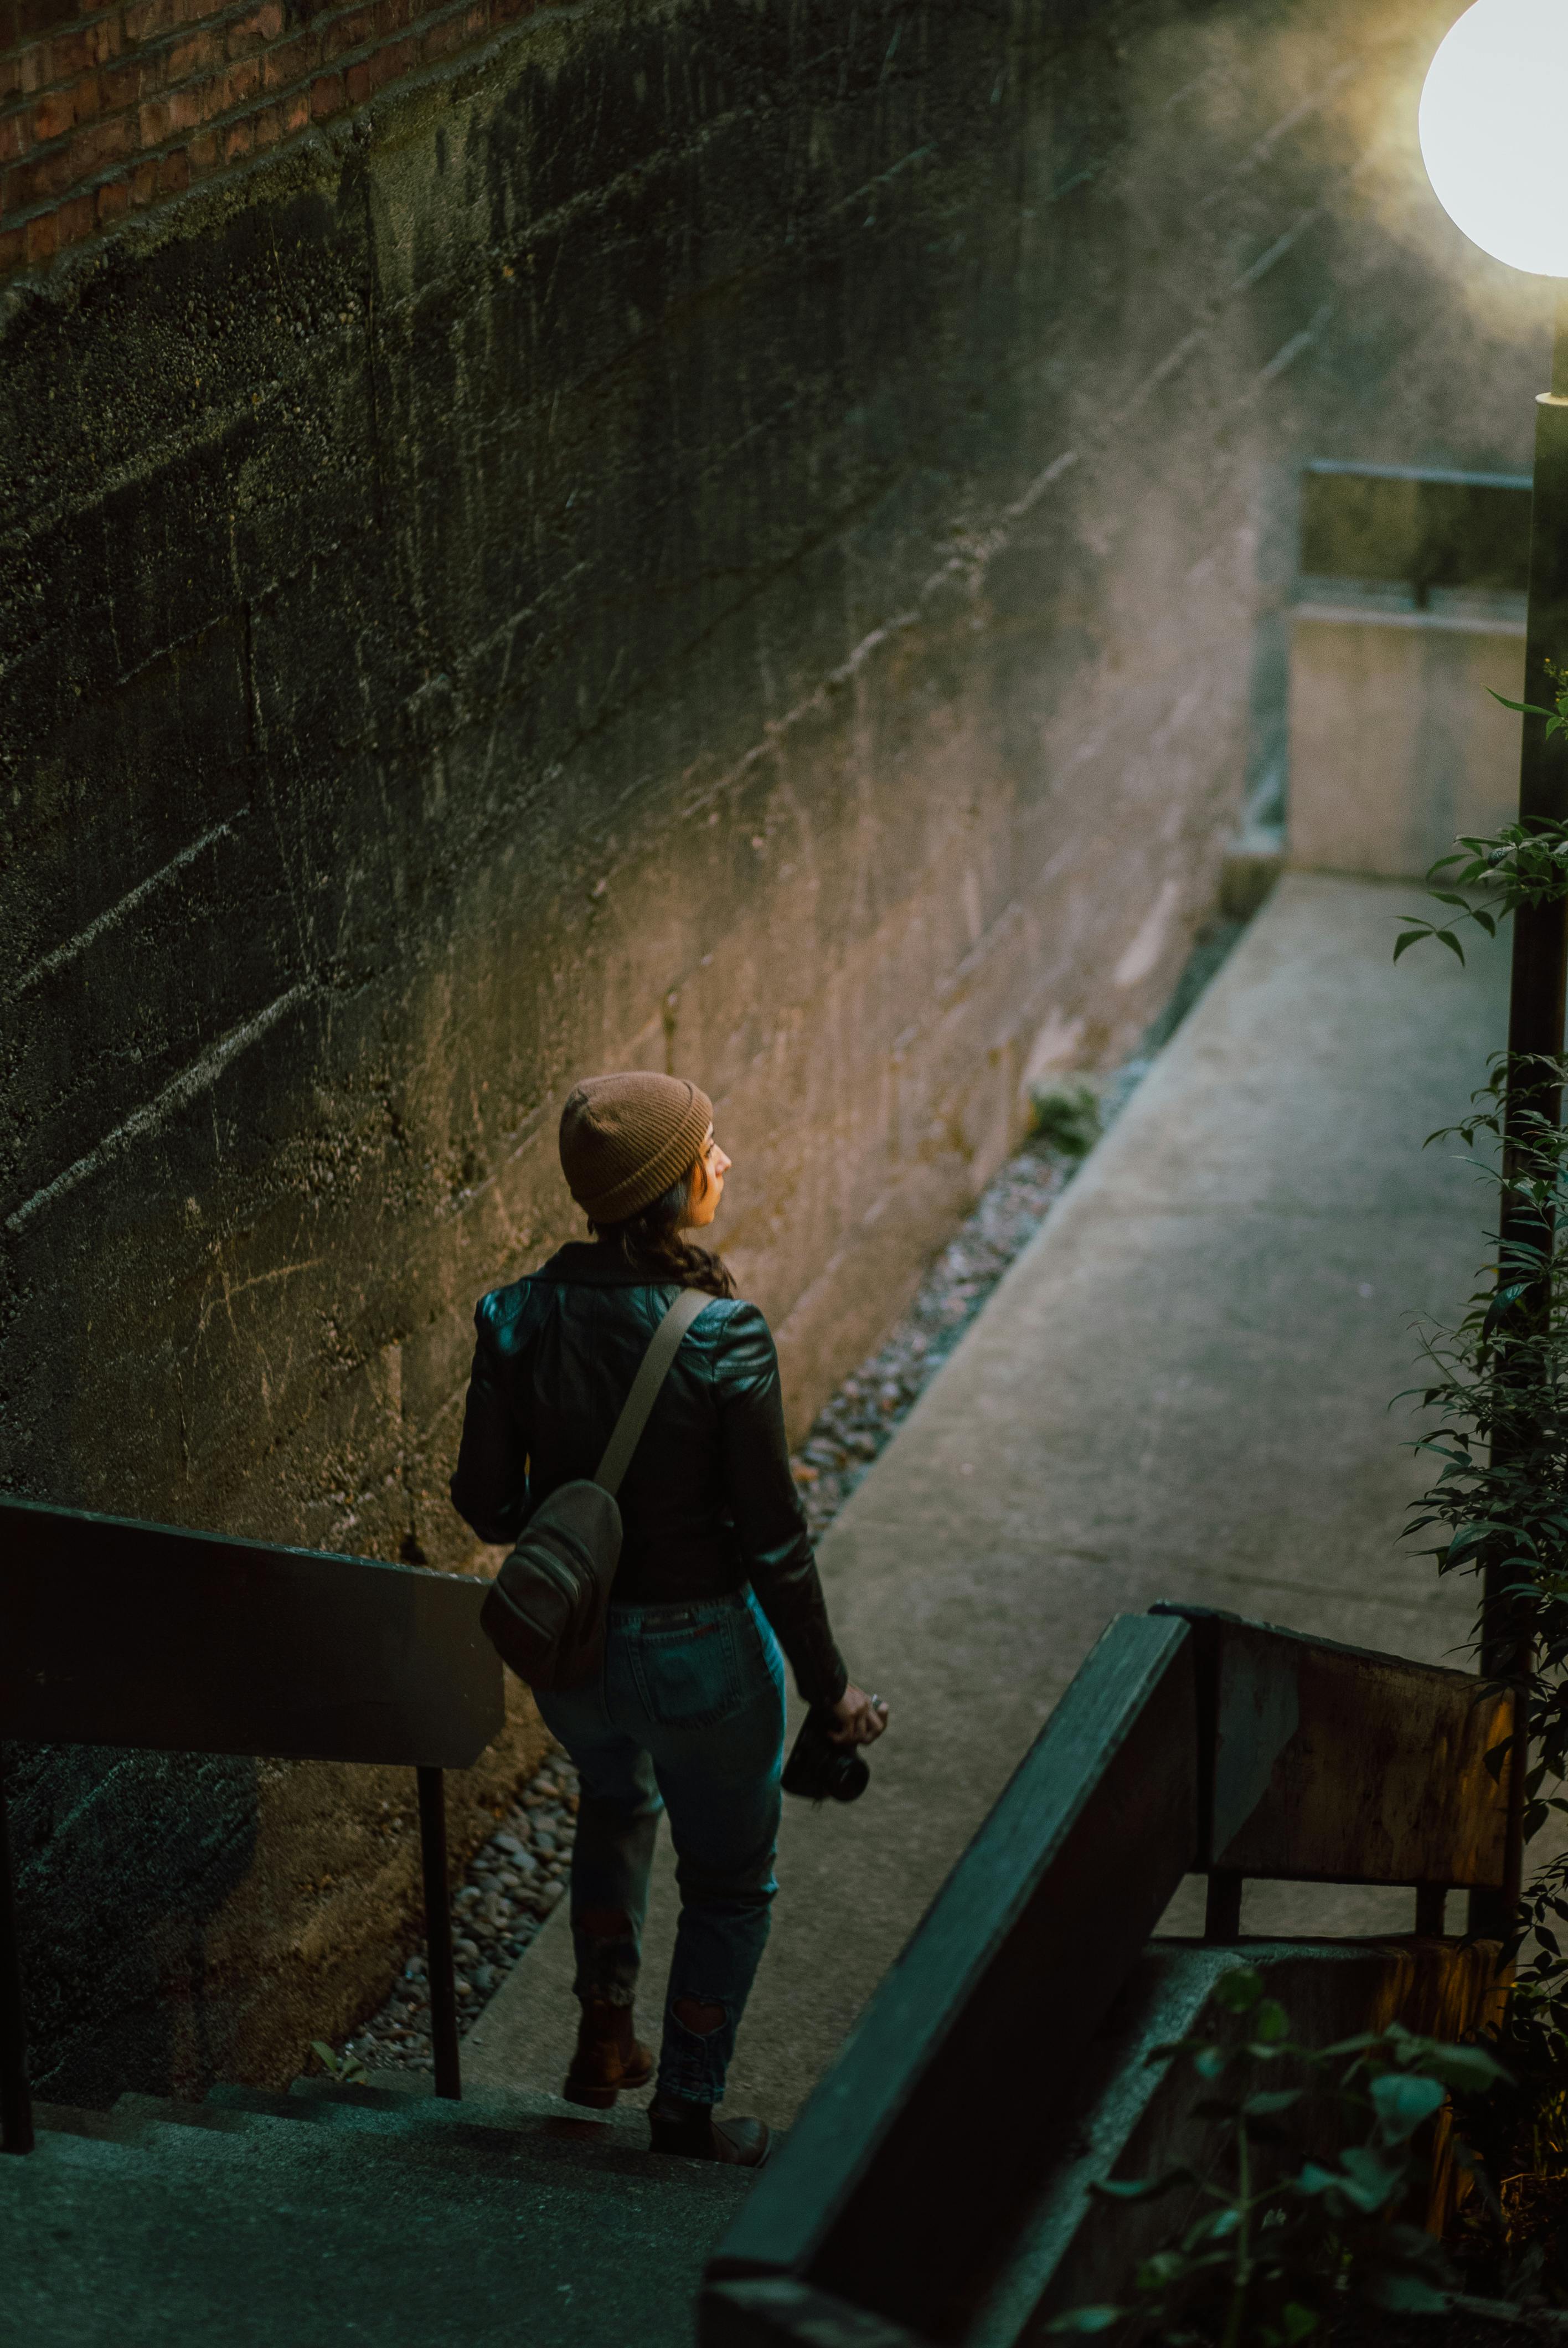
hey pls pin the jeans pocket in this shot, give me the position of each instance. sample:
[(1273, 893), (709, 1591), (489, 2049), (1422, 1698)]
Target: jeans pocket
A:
[(691, 1674), (762, 1657)]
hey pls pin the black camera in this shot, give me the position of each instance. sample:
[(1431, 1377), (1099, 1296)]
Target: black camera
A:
[(818, 1770)]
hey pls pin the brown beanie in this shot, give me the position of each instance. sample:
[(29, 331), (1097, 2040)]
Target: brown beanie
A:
[(624, 1139)]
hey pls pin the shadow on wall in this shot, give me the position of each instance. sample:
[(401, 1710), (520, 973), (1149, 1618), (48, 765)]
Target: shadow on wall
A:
[(114, 1918)]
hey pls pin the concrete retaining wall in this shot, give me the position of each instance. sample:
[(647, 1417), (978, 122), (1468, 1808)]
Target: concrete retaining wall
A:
[(1397, 745)]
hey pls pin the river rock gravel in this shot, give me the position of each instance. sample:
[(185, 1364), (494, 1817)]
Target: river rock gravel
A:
[(510, 1886)]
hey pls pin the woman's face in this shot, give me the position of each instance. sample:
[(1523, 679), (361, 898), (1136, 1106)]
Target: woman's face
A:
[(707, 1185)]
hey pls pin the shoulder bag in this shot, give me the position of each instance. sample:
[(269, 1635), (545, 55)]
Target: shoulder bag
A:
[(544, 1612)]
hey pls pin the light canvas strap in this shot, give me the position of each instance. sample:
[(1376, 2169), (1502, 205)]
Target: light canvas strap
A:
[(655, 1367)]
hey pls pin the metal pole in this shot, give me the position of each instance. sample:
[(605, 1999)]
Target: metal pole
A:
[(16, 2100), (438, 1933), (1539, 975), (1432, 1900), (1222, 1905)]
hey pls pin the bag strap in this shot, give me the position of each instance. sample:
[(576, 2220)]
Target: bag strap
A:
[(655, 1368)]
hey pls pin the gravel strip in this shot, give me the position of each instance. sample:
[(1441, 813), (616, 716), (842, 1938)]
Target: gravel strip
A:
[(511, 1884)]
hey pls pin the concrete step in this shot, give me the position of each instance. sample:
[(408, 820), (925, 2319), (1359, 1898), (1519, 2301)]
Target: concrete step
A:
[(516, 2112), (536, 2130), (70, 2119), (329, 2216)]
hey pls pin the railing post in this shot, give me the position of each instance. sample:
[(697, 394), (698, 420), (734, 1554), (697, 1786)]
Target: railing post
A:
[(16, 2100), (438, 1933), (1495, 1908), (1222, 1908), (1431, 1911)]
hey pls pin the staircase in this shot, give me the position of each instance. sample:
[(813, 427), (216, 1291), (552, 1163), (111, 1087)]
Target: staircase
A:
[(937, 2188), (329, 2215), (333, 2215)]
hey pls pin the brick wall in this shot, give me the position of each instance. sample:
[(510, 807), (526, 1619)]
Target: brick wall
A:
[(103, 111)]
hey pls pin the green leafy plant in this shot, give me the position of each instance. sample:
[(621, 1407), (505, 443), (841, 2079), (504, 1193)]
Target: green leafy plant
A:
[(1281, 2233), (1519, 865), (1066, 1118), (1556, 719), (1497, 1395), (346, 2068)]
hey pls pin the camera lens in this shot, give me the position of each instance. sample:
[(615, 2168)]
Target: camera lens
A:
[(854, 1777)]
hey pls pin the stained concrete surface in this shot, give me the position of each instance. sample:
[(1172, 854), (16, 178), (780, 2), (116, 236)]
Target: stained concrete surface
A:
[(1397, 743), (1180, 1390)]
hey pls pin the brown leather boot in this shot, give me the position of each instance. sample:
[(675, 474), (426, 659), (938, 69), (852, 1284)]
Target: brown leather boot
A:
[(692, 2131), (609, 2056)]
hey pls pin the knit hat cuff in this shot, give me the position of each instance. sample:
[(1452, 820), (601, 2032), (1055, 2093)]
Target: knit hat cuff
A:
[(639, 1188)]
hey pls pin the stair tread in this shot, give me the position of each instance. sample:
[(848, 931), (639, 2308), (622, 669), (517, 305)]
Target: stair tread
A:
[(519, 2111), (428, 2128), (521, 2127), (233, 2130), (73, 2119), (144, 2226), (501, 2106)]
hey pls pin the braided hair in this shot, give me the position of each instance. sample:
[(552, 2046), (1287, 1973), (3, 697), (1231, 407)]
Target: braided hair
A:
[(649, 1241)]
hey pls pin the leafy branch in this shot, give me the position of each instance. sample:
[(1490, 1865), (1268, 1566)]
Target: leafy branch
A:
[(346, 2069), (1520, 865), (1497, 1389), (1283, 2233), (1496, 1394)]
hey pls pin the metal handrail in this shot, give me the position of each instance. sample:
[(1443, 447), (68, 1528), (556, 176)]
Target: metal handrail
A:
[(1326, 1763), (150, 1636), (1189, 1741), (955, 2059)]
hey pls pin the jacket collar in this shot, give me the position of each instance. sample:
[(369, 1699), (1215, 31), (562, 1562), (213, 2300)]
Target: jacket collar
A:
[(590, 1263)]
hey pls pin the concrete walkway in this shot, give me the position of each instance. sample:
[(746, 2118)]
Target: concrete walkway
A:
[(1180, 1390)]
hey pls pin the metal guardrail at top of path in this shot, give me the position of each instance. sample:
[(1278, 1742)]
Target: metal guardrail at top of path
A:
[(119, 1633), (1189, 1741)]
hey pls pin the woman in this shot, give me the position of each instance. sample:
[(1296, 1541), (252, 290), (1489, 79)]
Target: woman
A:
[(716, 1572)]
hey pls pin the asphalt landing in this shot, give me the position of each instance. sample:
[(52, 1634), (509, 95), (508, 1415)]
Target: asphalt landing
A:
[(1180, 1390)]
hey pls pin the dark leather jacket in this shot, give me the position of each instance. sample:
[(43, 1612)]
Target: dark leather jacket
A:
[(708, 1503)]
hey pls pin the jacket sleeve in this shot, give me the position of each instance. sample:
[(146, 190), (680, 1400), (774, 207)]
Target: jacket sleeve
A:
[(491, 1489), (775, 1546)]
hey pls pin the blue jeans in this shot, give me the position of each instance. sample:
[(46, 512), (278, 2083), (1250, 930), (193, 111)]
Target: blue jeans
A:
[(689, 1715)]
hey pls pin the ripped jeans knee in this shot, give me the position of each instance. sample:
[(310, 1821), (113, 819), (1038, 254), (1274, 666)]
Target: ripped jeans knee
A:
[(699, 2041), (693, 2015)]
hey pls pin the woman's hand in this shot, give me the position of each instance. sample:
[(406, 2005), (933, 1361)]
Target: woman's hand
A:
[(861, 1718)]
